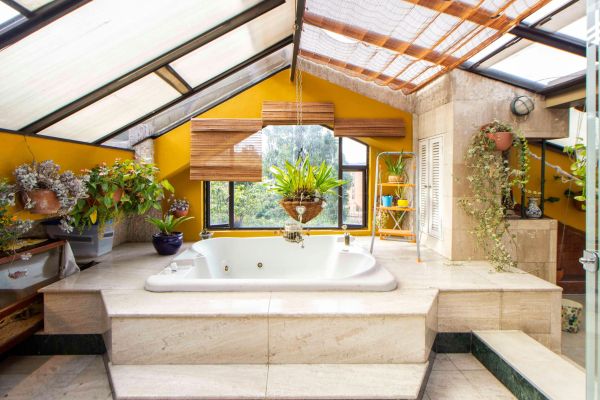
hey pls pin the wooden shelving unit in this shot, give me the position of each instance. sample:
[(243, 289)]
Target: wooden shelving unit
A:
[(398, 214)]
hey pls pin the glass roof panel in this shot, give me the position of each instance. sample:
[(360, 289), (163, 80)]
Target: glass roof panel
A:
[(549, 8), (115, 110), (577, 29), (541, 64), (95, 44), (33, 5), (238, 45), (205, 99), (507, 37), (7, 13)]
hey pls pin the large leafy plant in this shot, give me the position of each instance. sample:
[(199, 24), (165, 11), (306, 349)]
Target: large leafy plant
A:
[(167, 224), (304, 182), (491, 179), (141, 189), (578, 155), (11, 227)]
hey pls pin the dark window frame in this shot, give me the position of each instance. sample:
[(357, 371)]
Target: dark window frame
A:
[(364, 169)]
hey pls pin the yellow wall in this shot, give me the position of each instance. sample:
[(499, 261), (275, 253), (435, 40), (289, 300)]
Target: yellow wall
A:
[(563, 210), (172, 150), (15, 150)]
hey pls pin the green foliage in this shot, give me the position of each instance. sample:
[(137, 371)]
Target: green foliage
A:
[(141, 190), (133, 179), (11, 227), (396, 167), (578, 156), (497, 126), (167, 223), (304, 182), (491, 180)]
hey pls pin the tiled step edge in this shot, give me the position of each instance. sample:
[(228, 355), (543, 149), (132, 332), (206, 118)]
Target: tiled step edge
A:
[(526, 367), (284, 381)]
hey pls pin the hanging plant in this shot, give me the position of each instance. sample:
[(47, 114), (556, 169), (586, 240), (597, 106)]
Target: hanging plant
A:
[(44, 190), (491, 179), (304, 185), (11, 227)]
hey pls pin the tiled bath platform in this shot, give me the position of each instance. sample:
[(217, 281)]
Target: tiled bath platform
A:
[(378, 344)]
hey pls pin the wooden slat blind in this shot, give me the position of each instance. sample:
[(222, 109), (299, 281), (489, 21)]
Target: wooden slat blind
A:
[(226, 150), (285, 113), (358, 127)]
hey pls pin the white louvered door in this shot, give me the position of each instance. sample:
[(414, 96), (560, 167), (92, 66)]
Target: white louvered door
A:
[(430, 185)]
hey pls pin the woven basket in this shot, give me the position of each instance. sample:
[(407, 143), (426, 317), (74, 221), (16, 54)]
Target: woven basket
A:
[(313, 208)]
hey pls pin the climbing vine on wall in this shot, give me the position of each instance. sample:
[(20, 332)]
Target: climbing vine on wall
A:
[(491, 179)]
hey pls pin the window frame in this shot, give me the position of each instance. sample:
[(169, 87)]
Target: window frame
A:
[(363, 169)]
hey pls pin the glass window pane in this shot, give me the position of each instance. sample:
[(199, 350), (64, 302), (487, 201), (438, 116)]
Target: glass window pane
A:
[(219, 203), (501, 41), (94, 45), (353, 152), (115, 110), (238, 45), (576, 29), (255, 206), (7, 13), (205, 99), (33, 5), (353, 212), (533, 63), (552, 6)]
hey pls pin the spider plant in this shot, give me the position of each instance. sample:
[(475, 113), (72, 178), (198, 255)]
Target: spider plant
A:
[(303, 181), (396, 167)]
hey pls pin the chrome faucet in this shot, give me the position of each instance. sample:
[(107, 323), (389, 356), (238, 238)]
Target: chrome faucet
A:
[(346, 235)]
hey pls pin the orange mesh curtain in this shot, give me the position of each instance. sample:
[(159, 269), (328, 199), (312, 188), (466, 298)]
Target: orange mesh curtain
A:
[(226, 150)]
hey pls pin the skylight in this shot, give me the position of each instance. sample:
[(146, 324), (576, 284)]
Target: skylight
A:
[(7, 13)]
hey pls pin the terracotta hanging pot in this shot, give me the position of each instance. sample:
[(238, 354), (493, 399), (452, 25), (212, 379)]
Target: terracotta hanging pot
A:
[(45, 201), (117, 195), (180, 213), (313, 209), (503, 140)]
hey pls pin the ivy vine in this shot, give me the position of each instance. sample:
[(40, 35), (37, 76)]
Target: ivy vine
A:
[(491, 179)]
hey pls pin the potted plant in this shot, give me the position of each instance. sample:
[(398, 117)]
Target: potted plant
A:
[(205, 234), (141, 190), (396, 168), (401, 200), (303, 187), (11, 227), (578, 156), (491, 179), (500, 133), (167, 241), (44, 190), (179, 207)]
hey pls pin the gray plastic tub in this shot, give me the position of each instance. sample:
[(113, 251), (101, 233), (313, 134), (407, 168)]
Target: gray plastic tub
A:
[(88, 244)]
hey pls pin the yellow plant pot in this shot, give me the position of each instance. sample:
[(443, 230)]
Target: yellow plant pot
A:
[(402, 203)]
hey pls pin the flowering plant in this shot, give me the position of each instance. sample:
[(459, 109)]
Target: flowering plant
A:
[(10, 226), (178, 205), (68, 187)]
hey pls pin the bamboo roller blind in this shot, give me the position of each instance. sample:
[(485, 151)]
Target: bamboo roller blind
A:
[(284, 113), (226, 150), (362, 127)]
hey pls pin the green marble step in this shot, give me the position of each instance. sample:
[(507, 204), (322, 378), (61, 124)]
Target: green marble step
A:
[(528, 368)]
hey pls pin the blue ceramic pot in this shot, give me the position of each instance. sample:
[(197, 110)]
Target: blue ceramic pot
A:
[(386, 201), (167, 245)]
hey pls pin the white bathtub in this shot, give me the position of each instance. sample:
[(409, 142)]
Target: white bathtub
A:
[(272, 264)]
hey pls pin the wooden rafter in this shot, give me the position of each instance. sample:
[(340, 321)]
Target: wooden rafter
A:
[(375, 39), (349, 69)]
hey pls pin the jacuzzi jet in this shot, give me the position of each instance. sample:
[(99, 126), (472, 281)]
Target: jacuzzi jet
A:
[(259, 265), (226, 268)]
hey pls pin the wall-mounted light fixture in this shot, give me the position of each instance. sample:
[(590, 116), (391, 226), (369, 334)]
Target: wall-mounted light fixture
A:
[(522, 105)]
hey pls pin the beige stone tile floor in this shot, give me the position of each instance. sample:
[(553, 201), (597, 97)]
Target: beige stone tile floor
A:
[(454, 377)]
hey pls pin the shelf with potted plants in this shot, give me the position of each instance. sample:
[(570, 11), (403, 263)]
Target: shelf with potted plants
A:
[(392, 209)]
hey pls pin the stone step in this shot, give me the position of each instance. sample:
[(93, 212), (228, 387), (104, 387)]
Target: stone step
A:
[(514, 356), (274, 328), (239, 381)]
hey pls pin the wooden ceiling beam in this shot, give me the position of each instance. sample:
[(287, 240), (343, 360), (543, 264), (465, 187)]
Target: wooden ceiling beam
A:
[(458, 9), (376, 39), (349, 69)]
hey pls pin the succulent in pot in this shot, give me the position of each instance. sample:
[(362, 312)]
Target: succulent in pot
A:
[(167, 241), (179, 207), (303, 187), (500, 133), (44, 190), (396, 168), (401, 200)]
